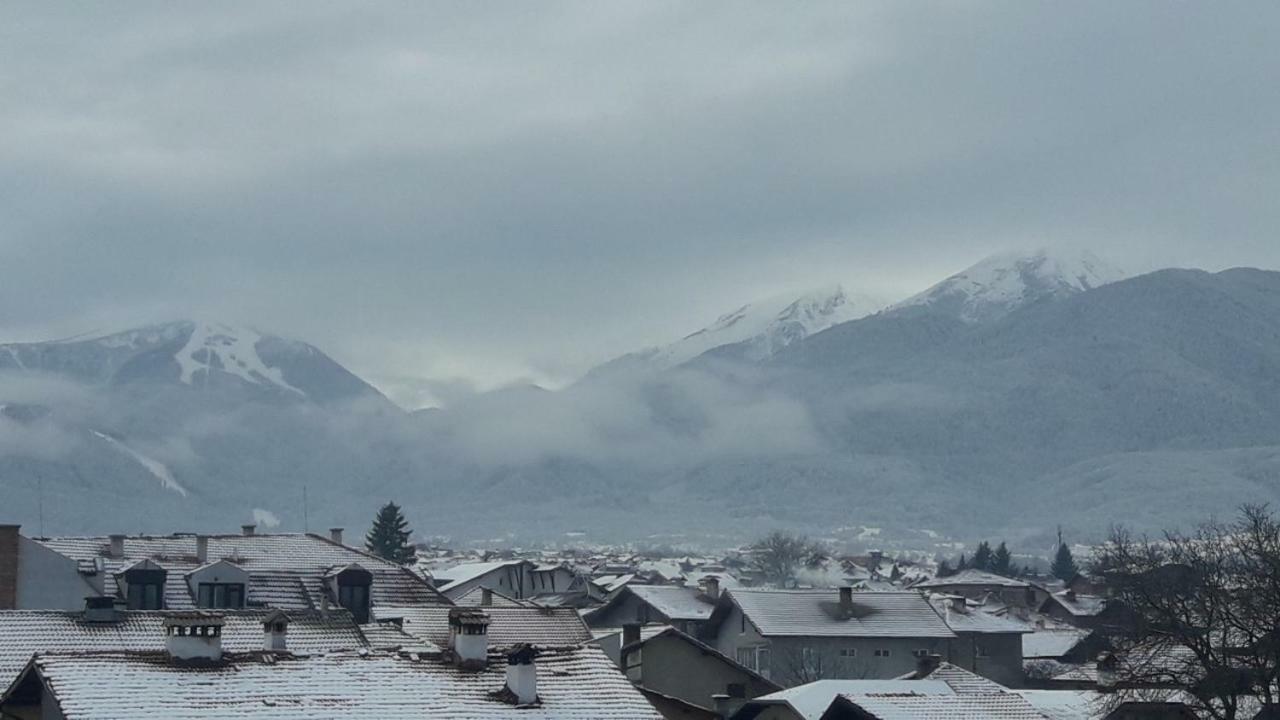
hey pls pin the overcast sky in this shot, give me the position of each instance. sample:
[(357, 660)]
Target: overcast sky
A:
[(493, 192)]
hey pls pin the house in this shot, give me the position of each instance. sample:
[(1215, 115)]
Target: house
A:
[(980, 585), (988, 645), (195, 678), (100, 627), (1092, 612), (685, 608), (294, 571), (517, 579), (797, 636), (942, 690), (673, 664)]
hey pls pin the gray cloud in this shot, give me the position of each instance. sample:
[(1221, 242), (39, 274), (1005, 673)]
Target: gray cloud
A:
[(480, 194)]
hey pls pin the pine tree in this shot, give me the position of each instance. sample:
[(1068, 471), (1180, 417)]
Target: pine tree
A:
[(389, 536), (1064, 565), (982, 557), (962, 563), (944, 569), (1002, 561)]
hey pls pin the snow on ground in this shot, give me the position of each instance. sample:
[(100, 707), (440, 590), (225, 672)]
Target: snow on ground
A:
[(234, 348), (155, 467)]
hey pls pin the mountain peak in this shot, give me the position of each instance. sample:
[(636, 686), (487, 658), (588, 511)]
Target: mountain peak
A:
[(1001, 283)]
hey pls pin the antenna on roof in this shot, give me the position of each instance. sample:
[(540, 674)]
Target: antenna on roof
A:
[(40, 501), (306, 522)]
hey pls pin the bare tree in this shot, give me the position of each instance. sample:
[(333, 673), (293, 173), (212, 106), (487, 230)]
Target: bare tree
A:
[(778, 556), (1203, 612)]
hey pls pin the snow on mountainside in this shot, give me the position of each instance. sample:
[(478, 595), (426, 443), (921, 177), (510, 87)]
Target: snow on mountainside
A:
[(1002, 283), (760, 329), (204, 355)]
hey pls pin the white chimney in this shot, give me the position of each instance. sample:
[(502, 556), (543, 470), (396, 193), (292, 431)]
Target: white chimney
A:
[(275, 632), (248, 529), (522, 674), (202, 549), (193, 636), (713, 586), (335, 534), (117, 546), (469, 637)]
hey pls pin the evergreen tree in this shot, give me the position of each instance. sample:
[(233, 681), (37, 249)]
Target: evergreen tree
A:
[(982, 557), (944, 569), (962, 564), (1002, 561), (389, 536), (1064, 565)]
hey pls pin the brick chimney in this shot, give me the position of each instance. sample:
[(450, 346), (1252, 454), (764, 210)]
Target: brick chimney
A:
[(469, 637), (522, 674), (248, 529), (117, 546), (193, 636), (335, 534), (202, 549), (9, 544)]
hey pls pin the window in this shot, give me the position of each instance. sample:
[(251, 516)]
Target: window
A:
[(756, 658), (742, 623), (921, 653), (747, 657), (220, 595), (981, 651), (146, 596), (812, 660), (356, 599), (883, 653), (849, 652)]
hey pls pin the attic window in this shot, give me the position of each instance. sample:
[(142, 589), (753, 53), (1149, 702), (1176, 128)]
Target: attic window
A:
[(221, 595), (883, 653)]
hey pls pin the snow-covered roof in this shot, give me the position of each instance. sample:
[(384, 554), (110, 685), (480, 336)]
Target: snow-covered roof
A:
[(973, 620), (910, 705), (25, 632), (453, 577), (474, 596), (285, 570), (811, 700), (575, 683), (1080, 605), (675, 602), (507, 625), (811, 613), (972, 577), (1046, 643)]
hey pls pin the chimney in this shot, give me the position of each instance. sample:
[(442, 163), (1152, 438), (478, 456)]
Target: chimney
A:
[(630, 633), (731, 701), (202, 549), (713, 586), (193, 637), (117, 546), (275, 632), (927, 663), (846, 596), (99, 609), (248, 529), (958, 604), (1070, 595), (522, 674), (469, 637), (9, 566), (335, 534), (486, 597)]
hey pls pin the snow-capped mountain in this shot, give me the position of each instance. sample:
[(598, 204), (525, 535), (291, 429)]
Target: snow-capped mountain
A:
[(202, 355), (1002, 283), (757, 330)]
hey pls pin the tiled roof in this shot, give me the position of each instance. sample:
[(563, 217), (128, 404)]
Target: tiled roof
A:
[(578, 683), (813, 613), (964, 682), (507, 625), (458, 575), (974, 620), (1051, 643), (24, 632), (285, 570), (677, 603), (917, 706), (972, 577), (1080, 605), (811, 700)]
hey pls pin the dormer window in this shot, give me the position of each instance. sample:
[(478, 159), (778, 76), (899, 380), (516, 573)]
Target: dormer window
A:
[(351, 586), (220, 595), (143, 585)]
